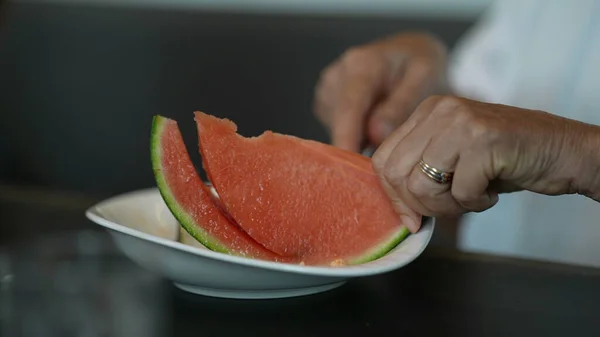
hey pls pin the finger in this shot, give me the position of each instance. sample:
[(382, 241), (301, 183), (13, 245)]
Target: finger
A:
[(442, 154), (388, 155), (326, 92), (396, 169), (409, 217), (435, 199), (399, 105), (402, 171), (445, 146), (381, 155), (471, 181), (352, 105)]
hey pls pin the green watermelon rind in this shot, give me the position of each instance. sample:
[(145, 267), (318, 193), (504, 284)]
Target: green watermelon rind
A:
[(383, 248), (207, 240), (184, 219)]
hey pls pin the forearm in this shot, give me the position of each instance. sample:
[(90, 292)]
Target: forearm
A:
[(587, 179)]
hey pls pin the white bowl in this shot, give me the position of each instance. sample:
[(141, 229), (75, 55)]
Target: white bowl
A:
[(146, 231)]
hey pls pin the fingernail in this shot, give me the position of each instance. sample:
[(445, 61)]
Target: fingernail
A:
[(409, 223)]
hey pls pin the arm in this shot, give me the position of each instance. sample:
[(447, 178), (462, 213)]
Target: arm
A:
[(581, 149)]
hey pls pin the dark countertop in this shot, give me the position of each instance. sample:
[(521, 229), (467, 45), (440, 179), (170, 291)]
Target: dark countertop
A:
[(442, 293)]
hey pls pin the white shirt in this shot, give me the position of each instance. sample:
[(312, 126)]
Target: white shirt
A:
[(537, 54)]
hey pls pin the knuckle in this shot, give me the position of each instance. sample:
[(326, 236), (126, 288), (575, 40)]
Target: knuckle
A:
[(328, 79), (378, 163), (433, 99), (462, 196), (406, 97), (472, 124), (424, 66), (416, 185), (357, 55), (494, 137), (439, 105), (328, 76), (390, 174), (363, 62), (478, 129), (446, 104)]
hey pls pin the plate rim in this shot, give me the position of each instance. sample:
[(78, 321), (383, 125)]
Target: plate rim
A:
[(366, 269)]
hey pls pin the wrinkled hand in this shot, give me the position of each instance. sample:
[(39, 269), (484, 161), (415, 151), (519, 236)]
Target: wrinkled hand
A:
[(491, 149), (371, 89)]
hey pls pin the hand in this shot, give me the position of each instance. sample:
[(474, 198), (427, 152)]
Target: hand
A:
[(371, 89), (491, 149)]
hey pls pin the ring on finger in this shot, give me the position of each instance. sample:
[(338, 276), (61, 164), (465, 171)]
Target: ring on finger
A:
[(439, 176)]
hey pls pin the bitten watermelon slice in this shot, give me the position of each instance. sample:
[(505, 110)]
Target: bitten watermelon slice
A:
[(299, 197), (190, 200)]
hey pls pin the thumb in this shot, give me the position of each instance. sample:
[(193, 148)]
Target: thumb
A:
[(388, 116), (482, 202), (471, 182), (356, 97), (346, 131), (399, 105)]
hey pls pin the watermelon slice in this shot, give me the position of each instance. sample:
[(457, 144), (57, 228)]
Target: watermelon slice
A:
[(299, 197), (191, 201)]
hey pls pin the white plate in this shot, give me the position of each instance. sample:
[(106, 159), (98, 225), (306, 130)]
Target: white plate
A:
[(146, 231)]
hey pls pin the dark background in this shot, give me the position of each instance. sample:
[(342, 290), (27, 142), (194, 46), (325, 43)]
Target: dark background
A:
[(79, 84)]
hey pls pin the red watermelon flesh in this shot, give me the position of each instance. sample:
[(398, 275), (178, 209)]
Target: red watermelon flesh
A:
[(299, 197), (191, 201), (350, 158)]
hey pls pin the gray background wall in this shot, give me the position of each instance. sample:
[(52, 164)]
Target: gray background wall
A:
[(80, 83)]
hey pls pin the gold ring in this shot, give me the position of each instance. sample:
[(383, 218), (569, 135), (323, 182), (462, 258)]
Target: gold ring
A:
[(434, 174)]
